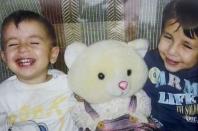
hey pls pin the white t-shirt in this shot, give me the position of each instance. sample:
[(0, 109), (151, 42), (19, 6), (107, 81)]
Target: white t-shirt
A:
[(47, 103)]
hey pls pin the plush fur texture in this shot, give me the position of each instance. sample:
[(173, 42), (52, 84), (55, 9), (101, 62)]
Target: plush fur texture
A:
[(106, 74)]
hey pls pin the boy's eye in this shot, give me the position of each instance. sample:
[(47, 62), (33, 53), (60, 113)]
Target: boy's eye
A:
[(187, 45), (34, 43), (11, 45), (167, 36)]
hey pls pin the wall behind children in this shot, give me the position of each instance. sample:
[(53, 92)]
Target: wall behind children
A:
[(89, 21)]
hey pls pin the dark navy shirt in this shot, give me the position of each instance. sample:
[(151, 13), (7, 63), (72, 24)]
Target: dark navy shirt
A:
[(174, 96)]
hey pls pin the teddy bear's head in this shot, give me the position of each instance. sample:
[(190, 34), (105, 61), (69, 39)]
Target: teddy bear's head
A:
[(106, 69)]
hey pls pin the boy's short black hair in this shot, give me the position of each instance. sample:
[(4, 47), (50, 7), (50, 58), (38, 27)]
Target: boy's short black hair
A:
[(185, 12), (22, 15)]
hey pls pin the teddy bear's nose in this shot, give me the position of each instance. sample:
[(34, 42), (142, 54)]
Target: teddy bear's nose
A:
[(123, 85)]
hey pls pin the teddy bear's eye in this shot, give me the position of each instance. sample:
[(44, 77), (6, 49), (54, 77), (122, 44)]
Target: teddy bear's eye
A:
[(129, 72), (101, 76)]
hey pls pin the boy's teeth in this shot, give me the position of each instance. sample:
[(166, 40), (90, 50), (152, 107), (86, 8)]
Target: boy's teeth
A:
[(25, 62)]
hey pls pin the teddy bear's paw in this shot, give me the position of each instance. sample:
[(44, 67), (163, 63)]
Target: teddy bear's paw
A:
[(84, 129)]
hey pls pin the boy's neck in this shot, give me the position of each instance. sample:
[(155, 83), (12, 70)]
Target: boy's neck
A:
[(36, 81)]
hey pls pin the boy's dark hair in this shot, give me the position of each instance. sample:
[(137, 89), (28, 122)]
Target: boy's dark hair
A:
[(185, 12), (23, 15)]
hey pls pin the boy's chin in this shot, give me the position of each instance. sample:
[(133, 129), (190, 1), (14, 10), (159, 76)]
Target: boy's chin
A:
[(172, 68)]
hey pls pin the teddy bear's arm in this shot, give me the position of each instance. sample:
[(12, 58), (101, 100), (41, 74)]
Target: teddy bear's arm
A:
[(143, 109), (82, 118)]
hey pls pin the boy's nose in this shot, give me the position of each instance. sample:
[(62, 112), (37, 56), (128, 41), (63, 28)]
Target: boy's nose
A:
[(23, 47), (173, 49)]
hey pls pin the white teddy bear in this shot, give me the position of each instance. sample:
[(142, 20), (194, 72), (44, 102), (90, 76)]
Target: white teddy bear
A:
[(108, 76)]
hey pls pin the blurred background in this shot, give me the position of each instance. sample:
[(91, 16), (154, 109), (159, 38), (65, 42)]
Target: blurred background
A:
[(89, 21)]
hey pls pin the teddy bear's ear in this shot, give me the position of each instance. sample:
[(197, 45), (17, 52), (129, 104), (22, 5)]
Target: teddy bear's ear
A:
[(140, 45), (72, 51)]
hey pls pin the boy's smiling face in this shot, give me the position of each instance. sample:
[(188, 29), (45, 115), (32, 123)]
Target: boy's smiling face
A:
[(177, 50), (28, 51)]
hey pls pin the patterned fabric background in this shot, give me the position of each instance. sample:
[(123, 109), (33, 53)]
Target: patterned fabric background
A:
[(93, 20)]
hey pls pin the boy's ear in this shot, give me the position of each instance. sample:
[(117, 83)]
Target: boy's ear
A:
[(54, 54), (3, 56)]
